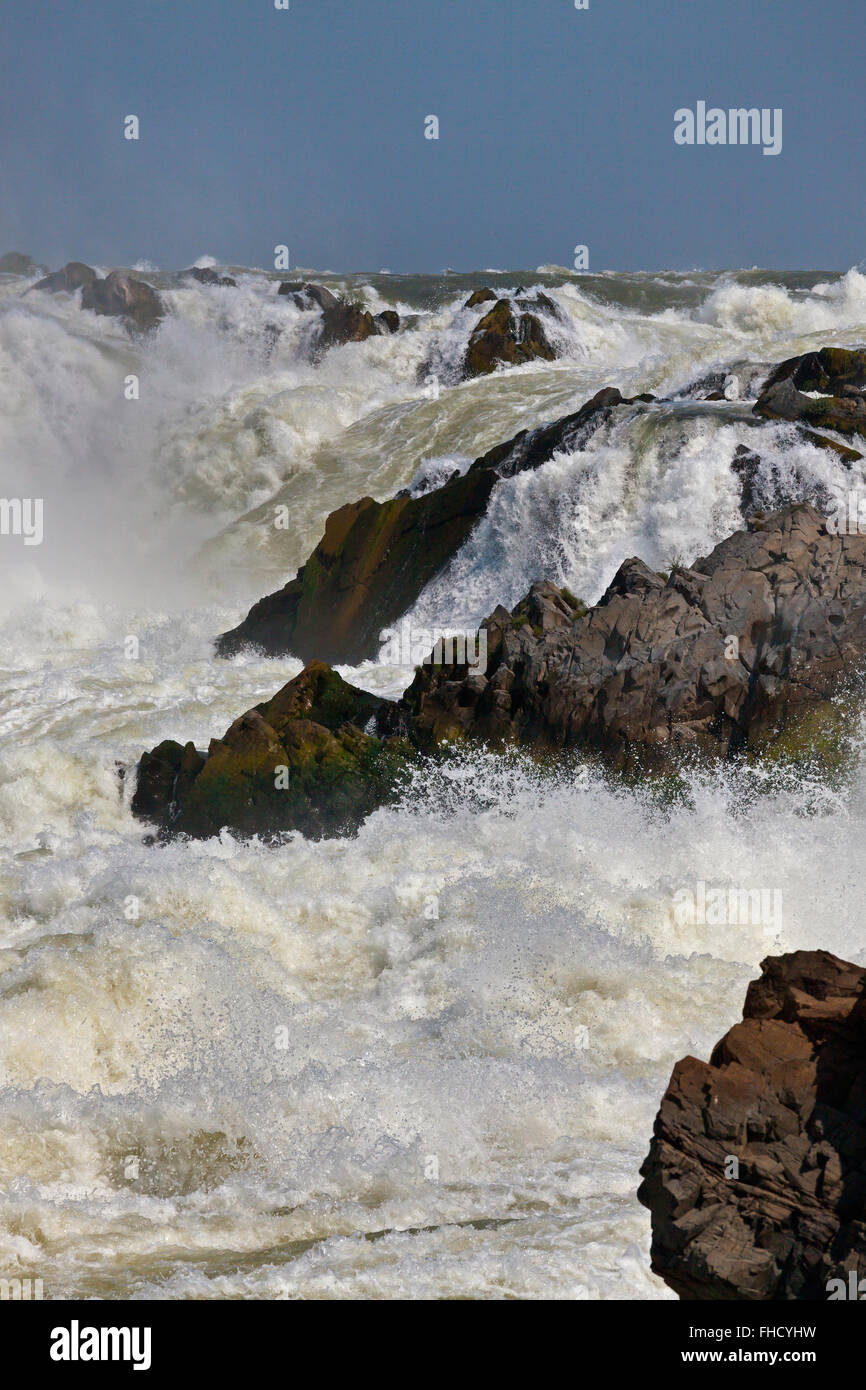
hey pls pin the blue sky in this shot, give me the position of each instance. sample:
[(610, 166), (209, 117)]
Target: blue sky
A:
[(306, 127)]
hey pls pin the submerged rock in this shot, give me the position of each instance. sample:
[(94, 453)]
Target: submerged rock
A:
[(756, 1174), (743, 651), (318, 758), (376, 557), (506, 335)]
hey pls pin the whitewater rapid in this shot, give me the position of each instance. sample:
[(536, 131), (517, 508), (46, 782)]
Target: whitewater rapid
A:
[(423, 1062)]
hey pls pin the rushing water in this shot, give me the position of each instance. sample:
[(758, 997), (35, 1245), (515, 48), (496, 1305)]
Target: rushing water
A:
[(423, 1062)]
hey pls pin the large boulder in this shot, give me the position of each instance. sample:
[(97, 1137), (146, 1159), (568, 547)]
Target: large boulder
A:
[(122, 295), (744, 651), (783, 401), (305, 760), (340, 322), (206, 276), (829, 371), (376, 557), (74, 276), (756, 1174), (506, 336)]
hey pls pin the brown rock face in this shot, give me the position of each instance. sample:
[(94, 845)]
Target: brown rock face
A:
[(756, 1174), (72, 277), (651, 672), (376, 557), (783, 401), (506, 336), (122, 295), (340, 322), (828, 371)]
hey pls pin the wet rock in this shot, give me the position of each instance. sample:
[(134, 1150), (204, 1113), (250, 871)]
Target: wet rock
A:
[(317, 758), (72, 277), (756, 1174), (340, 321), (479, 297), (122, 295), (783, 401), (206, 276), (376, 557), (829, 371), (507, 336), (388, 321), (742, 653)]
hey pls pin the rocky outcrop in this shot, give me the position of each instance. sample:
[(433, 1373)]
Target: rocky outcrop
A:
[(340, 321), (830, 371), (118, 295), (306, 760), (206, 276), (506, 335), (376, 557), (17, 263), (782, 401), (756, 1174), (742, 652), (73, 276), (479, 297)]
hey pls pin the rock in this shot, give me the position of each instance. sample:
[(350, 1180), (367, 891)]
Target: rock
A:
[(376, 557), (828, 371), (206, 276), (388, 321), (756, 1174), (508, 337), (72, 277), (122, 295), (306, 760), (340, 322), (17, 263), (649, 674), (479, 297), (782, 401)]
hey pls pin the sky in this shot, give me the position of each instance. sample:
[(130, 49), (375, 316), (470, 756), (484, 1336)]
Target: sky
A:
[(305, 127)]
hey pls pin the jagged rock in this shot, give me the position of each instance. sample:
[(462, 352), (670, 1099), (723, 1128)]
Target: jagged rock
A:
[(376, 557), (72, 277), (650, 673), (782, 401), (17, 263), (479, 297), (122, 295), (830, 371), (306, 760), (388, 321), (206, 276), (505, 336), (756, 1174)]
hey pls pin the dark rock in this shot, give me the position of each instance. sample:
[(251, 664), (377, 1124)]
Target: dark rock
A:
[(479, 297), (340, 321), (828, 371), (17, 263), (376, 557), (72, 277), (756, 1174), (648, 676), (318, 758), (388, 321), (122, 295), (508, 337), (206, 276), (782, 401)]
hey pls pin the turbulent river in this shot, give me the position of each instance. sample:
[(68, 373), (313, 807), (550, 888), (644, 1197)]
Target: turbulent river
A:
[(423, 1062)]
